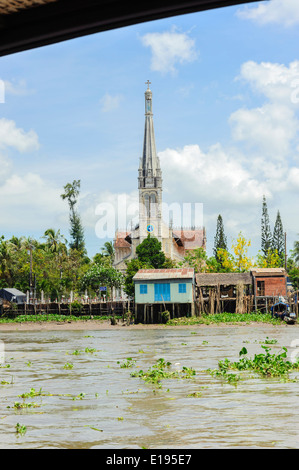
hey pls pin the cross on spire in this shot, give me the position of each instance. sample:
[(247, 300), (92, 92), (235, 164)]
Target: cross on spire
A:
[(148, 84)]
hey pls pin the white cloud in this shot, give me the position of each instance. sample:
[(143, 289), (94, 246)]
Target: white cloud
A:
[(110, 102), (5, 167), (270, 128), (273, 127), (211, 176), (12, 136), (29, 202), (285, 12), (277, 82), (169, 49), (231, 184), (16, 87)]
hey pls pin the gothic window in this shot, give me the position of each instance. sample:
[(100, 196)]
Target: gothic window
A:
[(147, 205), (153, 205)]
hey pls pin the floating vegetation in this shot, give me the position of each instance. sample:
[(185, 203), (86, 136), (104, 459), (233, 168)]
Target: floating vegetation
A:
[(195, 394), (209, 319), (17, 405), (20, 429), (265, 364), (270, 341), (76, 352), (80, 396), (33, 393), (128, 363), (68, 365), (161, 370)]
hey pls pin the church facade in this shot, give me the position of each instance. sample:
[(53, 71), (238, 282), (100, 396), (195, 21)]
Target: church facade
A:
[(175, 242)]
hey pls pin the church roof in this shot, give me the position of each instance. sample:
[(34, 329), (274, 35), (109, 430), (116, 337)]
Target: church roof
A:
[(190, 239), (120, 240)]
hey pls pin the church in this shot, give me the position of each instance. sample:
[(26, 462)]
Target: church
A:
[(175, 242)]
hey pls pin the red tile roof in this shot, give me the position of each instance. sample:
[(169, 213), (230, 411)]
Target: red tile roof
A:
[(120, 241), (191, 238)]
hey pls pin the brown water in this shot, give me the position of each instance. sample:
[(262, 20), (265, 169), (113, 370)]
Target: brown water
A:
[(118, 411)]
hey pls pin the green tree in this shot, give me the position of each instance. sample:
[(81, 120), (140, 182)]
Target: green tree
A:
[(220, 241), (272, 260), (149, 256), (278, 242), (238, 260), (199, 260), (295, 252), (150, 252), (100, 275), (293, 272), (71, 193), (132, 267), (108, 250), (266, 237), (55, 242), (242, 261)]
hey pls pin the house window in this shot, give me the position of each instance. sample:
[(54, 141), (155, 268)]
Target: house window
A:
[(260, 287), (182, 288), (162, 292), (143, 289)]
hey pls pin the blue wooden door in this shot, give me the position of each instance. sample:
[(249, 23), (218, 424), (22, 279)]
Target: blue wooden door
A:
[(162, 292)]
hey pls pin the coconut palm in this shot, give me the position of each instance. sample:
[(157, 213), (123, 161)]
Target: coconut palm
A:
[(295, 252), (55, 242), (108, 250)]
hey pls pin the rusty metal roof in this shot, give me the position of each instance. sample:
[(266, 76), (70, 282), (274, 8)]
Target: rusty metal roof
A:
[(25, 24), (160, 274)]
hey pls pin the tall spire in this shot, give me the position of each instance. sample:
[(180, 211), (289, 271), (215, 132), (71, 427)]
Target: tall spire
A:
[(149, 162), (149, 178)]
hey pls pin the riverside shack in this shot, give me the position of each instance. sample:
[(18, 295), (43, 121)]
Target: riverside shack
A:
[(268, 284), (158, 290), (223, 292)]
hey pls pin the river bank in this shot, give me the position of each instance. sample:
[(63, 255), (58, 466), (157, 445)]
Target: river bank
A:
[(106, 325)]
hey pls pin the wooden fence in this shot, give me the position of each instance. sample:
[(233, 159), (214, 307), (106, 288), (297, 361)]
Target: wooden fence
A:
[(88, 309)]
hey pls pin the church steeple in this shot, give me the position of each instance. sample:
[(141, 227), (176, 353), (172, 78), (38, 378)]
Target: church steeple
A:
[(149, 168), (149, 176)]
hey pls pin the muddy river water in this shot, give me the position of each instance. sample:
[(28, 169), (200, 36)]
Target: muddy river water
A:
[(89, 401)]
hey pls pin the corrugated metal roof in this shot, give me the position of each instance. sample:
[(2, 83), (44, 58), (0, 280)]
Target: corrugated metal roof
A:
[(158, 274)]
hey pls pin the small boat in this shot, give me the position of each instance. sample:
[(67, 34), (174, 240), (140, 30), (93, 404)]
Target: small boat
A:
[(282, 310)]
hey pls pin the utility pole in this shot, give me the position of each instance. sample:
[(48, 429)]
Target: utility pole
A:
[(30, 274), (285, 250)]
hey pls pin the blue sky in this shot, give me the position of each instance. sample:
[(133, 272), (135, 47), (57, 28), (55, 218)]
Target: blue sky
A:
[(225, 89)]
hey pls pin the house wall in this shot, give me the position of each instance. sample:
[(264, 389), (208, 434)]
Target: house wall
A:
[(274, 285), (175, 296)]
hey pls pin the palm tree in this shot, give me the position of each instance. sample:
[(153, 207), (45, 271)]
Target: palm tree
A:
[(55, 242), (295, 252), (108, 250)]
